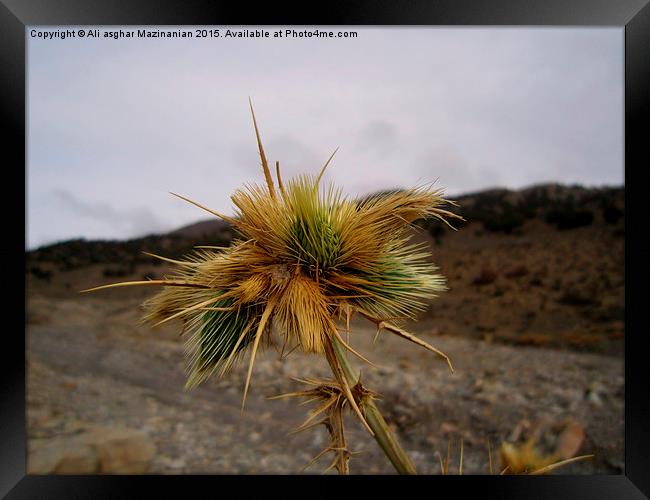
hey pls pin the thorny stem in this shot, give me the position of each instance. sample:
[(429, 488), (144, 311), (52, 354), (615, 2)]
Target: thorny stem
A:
[(383, 435)]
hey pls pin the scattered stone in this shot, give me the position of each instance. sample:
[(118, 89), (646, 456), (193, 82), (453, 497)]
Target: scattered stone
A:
[(447, 428), (177, 464), (494, 386)]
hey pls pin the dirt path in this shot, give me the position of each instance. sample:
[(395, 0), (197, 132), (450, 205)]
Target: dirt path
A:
[(90, 364)]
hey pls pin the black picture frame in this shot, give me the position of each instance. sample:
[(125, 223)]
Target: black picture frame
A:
[(631, 15)]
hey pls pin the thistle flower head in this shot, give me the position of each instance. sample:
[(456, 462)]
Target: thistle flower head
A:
[(542, 446), (330, 400), (306, 257)]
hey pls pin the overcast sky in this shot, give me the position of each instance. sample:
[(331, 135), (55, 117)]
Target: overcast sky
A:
[(114, 125)]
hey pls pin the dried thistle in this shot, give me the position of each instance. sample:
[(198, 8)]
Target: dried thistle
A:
[(541, 447), (330, 399), (307, 257), (522, 459)]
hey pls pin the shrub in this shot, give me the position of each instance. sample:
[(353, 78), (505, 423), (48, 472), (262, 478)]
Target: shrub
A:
[(486, 277), (40, 273), (517, 272), (117, 272), (569, 217), (506, 222), (612, 214)]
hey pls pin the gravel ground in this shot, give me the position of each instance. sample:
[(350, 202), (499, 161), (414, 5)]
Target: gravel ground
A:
[(90, 364)]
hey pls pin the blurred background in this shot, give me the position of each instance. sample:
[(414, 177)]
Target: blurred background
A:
[(523, 129)]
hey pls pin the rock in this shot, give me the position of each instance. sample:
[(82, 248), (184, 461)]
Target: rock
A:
[(61, 455), (617, 464), (594, 394), (83, 462), (594, 398), (570, 439), (125, 452), (447, 428), (179, 463), (95, 449)]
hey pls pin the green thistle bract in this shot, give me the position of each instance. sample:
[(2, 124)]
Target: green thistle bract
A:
[(307, 258)]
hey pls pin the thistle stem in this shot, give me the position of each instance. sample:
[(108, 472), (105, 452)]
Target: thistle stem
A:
[(383, 435)]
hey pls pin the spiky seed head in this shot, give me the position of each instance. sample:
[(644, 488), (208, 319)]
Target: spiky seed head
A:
[(305, 254)]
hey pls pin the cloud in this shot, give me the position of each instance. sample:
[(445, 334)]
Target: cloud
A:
[(130, 222), (380, 137), (447, 165)]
